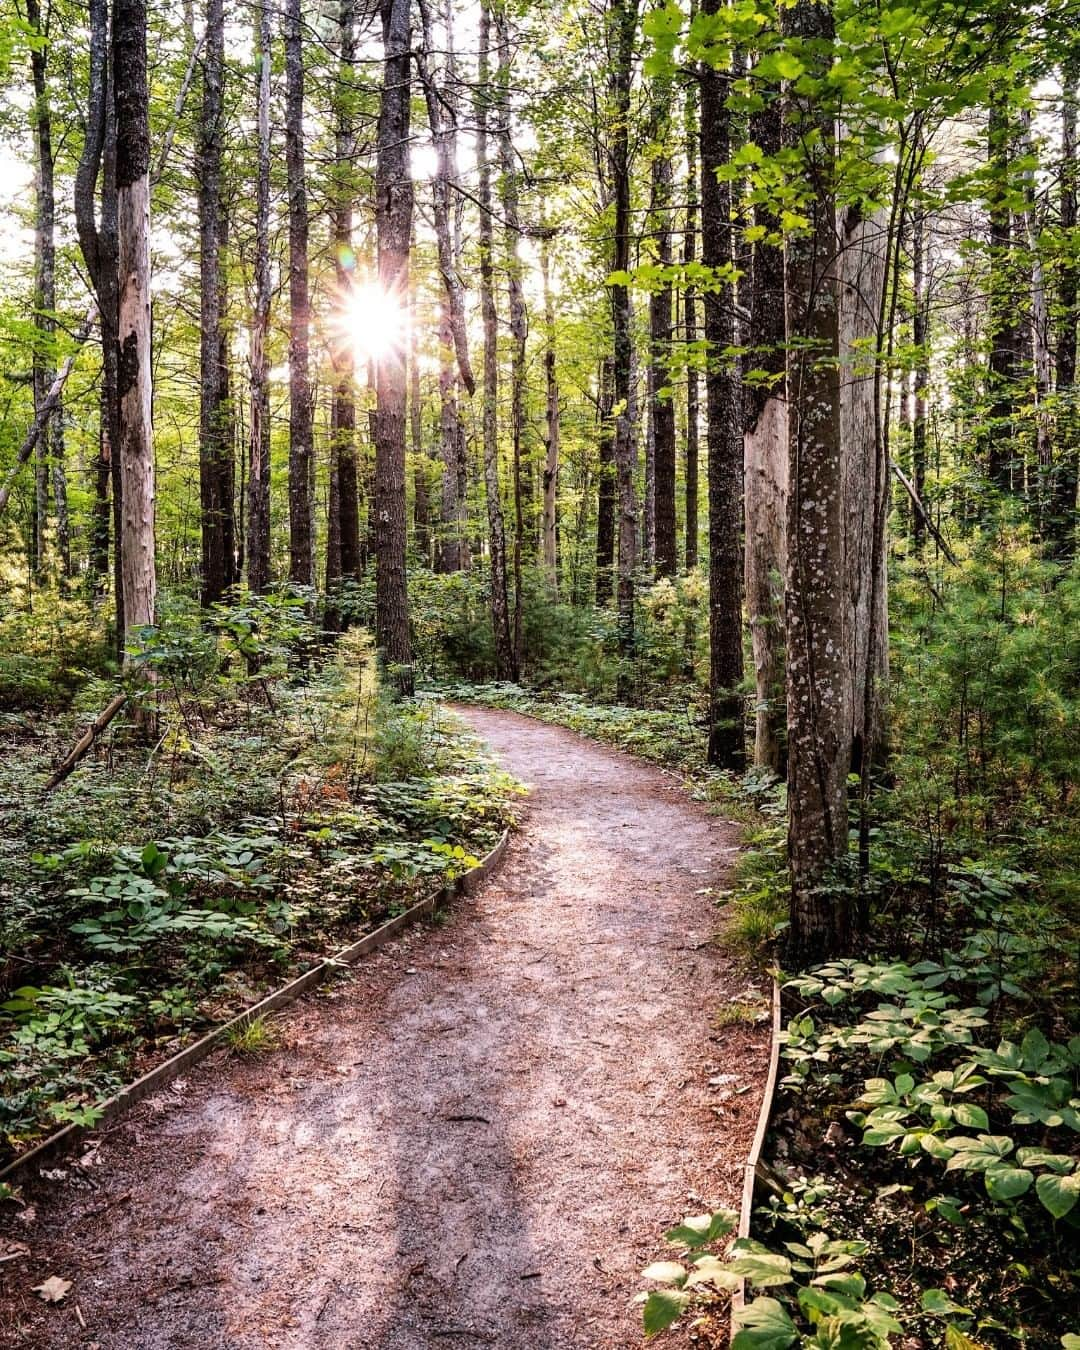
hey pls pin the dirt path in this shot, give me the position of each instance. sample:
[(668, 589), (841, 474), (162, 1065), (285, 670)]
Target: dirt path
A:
[(475, 1140)]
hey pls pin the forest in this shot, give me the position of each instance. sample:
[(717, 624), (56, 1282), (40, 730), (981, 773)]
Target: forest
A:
[(599, 476)]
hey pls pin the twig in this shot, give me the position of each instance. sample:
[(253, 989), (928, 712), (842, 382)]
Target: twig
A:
[(86, 740)]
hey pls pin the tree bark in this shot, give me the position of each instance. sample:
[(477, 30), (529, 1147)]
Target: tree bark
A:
[(500, 602), (1061, 525), (999, 437), (818, 675), (551, 436), (622, 21), (215, 451), (765, 467), (605, 485), (135, 442), (726, 747), (690, 331), (661, 401), (393, 214), (920, 335), (301, 544), (258, 535)]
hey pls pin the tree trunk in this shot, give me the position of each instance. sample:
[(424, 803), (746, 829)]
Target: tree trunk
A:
[(301, 544), (393, 215), (1003, 468), (1061, 525), (690, 331), (421, 495), (920, 334), (258, 536), (508, 194), (726, 746), (135, 443), (551, 436), (622, 19), (765, 467), (605, 485), (500, 603), (215, 452), (44, 280), (818, 674), (661, 401)]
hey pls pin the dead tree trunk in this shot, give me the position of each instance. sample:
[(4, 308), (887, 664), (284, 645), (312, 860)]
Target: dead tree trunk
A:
[(135, 443)]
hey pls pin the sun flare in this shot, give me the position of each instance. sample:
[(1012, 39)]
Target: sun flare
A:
[(373, 322)]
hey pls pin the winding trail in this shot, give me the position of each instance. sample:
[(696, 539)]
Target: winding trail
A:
[(476, 1139)]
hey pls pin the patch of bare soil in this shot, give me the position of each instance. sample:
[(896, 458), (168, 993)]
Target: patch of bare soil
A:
[(476, 1138)]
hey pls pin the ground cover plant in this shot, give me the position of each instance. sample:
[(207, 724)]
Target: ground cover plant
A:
[(286, 804)]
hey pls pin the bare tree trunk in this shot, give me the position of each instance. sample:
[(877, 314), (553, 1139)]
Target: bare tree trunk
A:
[(500, 603), (551, 437), (393, 214), (765, 468), (258, 538), (605, 485), (661, 401), (215, 476), (421, 492), (301, 544), (622, 29), (726, 746), (920, 335), (135, 443), (818, 673), (999, 437), (1061, 525), (690, 331), (508, 193)]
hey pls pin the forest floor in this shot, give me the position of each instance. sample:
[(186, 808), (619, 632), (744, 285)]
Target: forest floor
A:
[(476, 1137)]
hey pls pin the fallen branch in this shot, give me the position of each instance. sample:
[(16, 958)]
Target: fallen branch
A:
[(86, 740), (924, 514)]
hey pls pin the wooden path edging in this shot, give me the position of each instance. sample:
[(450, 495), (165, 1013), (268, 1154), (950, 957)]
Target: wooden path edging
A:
[(64, 1139), (750, 1169)]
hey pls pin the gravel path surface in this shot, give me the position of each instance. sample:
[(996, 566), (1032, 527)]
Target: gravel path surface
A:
[(475, 1139)]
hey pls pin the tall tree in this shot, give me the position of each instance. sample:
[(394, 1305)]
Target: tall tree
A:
[(724, 437), (505, 666), (819, 693), (134, 378), (765, 459), (1061, 523), (605, 484), (661, 330), (301, 452), (551, 421), (1003, 468), (622, 33), (393, 214), (258, 534), (690, 328), (215, 448)]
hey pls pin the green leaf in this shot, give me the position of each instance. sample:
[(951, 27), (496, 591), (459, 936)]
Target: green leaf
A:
[(662, 1308), (1005, 1183), (1058, 1194), (666, 1272), (973, 1117), (762, 1269), (763, 1325)]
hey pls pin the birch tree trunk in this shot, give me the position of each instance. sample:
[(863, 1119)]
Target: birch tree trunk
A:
[(135, 441), (726, 747), (819, 692), (765, 468), (258, 537), (301, 544), (393, 213), (500, 602)]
